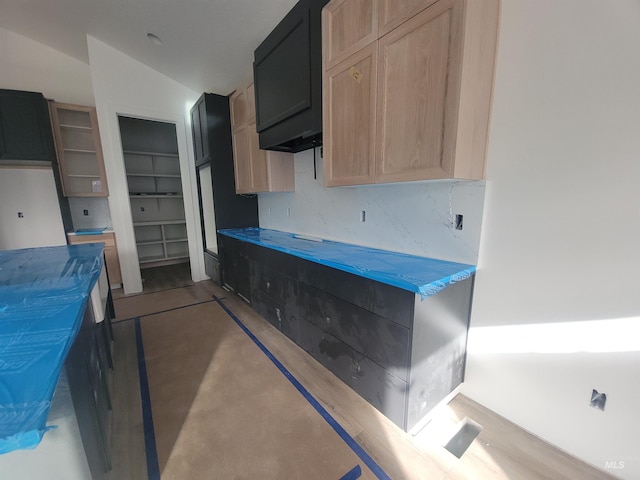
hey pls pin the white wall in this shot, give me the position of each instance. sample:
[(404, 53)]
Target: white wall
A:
[(29, 209), (556, 306), (415, 218), (32, 66), (123, 85)]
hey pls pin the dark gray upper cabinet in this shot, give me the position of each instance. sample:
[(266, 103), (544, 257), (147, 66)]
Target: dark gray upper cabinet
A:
[(25, 127)]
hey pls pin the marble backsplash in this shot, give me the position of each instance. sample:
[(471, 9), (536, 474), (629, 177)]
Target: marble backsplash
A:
[(411, 217)]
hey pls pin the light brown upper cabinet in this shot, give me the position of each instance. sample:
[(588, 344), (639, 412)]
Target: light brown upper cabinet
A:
[(415, 103), (256, 170), (348, 26), (79, 150)]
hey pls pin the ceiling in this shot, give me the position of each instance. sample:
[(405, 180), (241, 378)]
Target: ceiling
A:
[(207, 45)]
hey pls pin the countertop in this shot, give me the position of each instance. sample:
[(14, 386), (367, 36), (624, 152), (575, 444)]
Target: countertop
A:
[(421, 275), (43, 295)]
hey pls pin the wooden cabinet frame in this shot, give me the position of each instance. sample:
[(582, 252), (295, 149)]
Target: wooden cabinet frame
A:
[(256, 170), (433, 85), (79, 149)]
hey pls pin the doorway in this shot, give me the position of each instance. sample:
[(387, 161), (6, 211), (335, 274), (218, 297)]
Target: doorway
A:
[(152, 166)]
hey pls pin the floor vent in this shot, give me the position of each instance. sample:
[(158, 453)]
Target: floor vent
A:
[(466, 431)]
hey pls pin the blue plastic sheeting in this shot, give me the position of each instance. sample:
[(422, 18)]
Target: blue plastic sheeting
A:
[(43, 296), (421, 275)]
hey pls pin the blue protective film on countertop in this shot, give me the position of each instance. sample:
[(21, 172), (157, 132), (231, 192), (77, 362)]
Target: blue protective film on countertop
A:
[(421, 275), (43, 294)]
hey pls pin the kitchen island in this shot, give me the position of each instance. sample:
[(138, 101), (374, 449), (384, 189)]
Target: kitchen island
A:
[(392, 326), (54, 317)]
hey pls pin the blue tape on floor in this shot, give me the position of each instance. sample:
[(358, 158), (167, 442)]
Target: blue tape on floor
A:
[(357, 449), (352, 474), (153, 468)]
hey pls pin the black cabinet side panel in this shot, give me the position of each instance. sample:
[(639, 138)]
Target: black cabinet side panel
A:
[(438, 347)]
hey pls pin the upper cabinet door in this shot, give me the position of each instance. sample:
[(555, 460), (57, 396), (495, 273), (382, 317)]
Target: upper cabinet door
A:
[(431, 84), (347, 26), (392, 13), (350, 120), (255, 170), (79, 150), (25, 127), (239, 109), (196, 129), (418, 94)]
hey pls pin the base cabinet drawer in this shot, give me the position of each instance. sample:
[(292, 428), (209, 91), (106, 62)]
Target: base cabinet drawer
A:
[(381, 340), (376, 385), (282, 316), (384, 300)]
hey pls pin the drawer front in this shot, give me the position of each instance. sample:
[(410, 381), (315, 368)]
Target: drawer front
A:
[(281, 316), (107, 238), (384, 391), (281, 262), (385, 300), (269, 281), (379, 339)]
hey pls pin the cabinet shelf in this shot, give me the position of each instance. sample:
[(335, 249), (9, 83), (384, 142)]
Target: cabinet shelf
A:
[(158, 242), (151, 154), (159, 222), (75, 127), (159, 258), (158, 175), (155, 195), (79, 150)]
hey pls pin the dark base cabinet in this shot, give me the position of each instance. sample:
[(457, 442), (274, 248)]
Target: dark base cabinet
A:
[(87, 368), (399, 352)]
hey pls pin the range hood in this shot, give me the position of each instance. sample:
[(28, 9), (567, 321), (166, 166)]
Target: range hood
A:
[(288, 81)]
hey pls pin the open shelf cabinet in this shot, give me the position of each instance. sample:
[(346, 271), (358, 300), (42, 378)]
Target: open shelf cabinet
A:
[(79, 150)]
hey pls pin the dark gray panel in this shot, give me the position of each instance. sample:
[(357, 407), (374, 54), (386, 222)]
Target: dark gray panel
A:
[(382, 299), (212, 267), (384, 391), (281, 262), (438, 347), (279, 287), (281, 316), (381, 340)]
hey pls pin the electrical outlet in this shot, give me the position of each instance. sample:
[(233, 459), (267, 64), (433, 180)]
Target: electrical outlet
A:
[(363, 216), (458, 222), (598, 399), (85, 213)]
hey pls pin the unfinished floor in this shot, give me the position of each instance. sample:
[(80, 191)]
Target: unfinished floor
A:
[(222, 407)]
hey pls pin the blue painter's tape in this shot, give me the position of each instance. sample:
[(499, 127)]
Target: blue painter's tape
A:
[(421, 275), (357, 449), (153, 467), (352, 474)]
